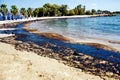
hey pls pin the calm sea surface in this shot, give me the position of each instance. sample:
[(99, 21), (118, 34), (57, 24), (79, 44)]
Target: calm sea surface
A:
[(100, 28)]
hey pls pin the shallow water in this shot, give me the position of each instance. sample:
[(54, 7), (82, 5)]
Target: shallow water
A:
[(86, 29)]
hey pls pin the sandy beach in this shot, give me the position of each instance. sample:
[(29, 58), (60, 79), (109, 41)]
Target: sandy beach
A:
[(22, 65), (46, 18), (59, 40)]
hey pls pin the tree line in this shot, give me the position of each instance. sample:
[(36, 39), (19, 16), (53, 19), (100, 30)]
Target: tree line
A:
[(48, 10)]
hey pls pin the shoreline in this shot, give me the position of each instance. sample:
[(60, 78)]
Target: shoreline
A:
[(68, 56), (45, 18), (22, 65), (98, 43), (82, 61), (58, 36)]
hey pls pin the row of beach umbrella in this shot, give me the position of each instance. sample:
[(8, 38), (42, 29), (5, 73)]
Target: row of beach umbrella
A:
[(9, 16)]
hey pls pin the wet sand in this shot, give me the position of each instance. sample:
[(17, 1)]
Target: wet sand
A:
[(94, 42)]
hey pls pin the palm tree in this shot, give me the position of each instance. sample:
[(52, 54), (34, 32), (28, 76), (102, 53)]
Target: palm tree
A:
[(23, 11), (4, 11), (93, 11), (29, 12), (79, 7), (0, 9), (4, 8), (14, 10)]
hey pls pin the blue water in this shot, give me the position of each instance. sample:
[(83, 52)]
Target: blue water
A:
[(107, 28)]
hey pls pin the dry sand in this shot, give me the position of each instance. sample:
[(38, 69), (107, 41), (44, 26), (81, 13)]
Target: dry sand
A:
[(44, 18), (6, 35), (16, 65)]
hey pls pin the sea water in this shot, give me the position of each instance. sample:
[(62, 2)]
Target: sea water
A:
[(92, 28)]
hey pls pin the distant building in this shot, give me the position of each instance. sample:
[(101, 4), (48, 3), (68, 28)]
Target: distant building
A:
[(106, 12), (99, 12)]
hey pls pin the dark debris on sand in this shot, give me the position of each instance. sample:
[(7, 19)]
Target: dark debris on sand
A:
[(69, 57)]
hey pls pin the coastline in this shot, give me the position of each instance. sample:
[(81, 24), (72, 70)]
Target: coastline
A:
[(103, 44), (59, 40), (70, 59)]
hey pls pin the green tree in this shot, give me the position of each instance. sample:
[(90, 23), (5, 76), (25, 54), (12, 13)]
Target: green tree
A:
[(71, 12), (14, 9), (44, 11), (88, 12), (56, 10), (48, 8), (0, 10), (40, 12), (52, 9), (59, 13), (4, 8), (93, 11), (29, 12), (79, 10), (35, 12), (6, 11), (84, 9), (79, 7), (63, 10), (99, 10), (23, 11), (116, 12), (76, 11)]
